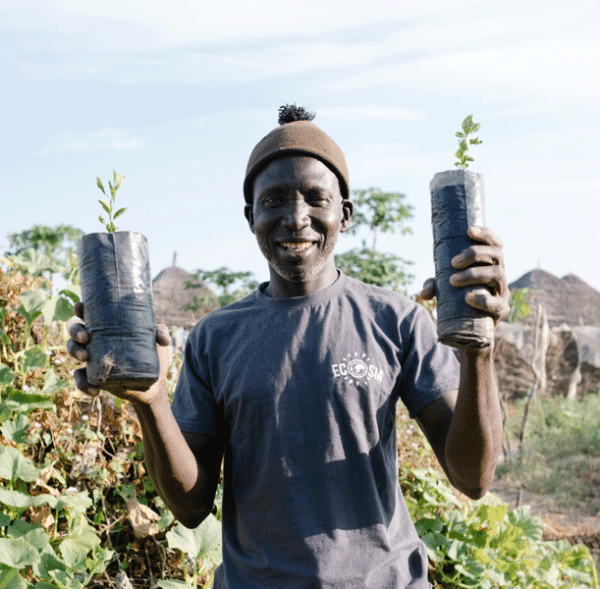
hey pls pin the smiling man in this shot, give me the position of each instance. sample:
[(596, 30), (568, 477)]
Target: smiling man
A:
[(297, 387)]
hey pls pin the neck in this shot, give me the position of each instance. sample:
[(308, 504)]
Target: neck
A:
[(279, 287)]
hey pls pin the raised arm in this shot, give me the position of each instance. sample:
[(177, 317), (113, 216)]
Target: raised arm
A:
[(464, 427), (184, 467)]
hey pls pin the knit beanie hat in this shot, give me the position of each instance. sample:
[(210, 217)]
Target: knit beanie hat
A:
[(296, 135)]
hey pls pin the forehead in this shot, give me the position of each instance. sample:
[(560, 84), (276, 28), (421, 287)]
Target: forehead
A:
[(296, 171)]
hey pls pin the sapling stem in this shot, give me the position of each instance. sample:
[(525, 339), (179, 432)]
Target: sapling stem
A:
[(468, 127), (108, 205)]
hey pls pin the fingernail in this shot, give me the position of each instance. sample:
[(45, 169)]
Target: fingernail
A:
[(476, 230)]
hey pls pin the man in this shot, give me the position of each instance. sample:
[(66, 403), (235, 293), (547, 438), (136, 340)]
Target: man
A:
[(297, 386)]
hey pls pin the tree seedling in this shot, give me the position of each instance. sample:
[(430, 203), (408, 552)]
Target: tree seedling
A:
[(468, 127), (109, 205)]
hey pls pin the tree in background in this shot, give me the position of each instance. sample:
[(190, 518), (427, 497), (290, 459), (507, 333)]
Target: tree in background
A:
[(519, 304), (231, 286), (381, 212), (44, 249)]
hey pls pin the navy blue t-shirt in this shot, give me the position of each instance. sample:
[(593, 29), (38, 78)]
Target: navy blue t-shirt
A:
[(304, 393)]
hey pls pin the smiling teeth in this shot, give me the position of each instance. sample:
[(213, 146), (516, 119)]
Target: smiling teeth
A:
[(296, 246)]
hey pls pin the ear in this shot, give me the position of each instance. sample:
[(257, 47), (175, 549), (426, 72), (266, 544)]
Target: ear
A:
[(249, 214), (347, 212)]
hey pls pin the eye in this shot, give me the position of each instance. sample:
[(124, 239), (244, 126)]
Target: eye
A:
[(317, 197), (271, 199)]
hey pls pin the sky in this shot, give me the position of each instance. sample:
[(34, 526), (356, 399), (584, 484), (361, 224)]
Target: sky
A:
[(175, 95)]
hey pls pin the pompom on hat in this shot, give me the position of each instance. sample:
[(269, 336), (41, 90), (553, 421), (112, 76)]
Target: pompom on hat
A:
[(296, 135)]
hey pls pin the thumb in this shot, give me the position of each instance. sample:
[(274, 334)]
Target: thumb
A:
[(163, 337), (428, 291)]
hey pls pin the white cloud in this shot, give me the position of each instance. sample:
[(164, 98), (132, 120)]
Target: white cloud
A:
[(110, 138), (547, 66), (186, 23)]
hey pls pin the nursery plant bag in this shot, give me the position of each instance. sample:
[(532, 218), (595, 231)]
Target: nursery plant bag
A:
[(457, 203), (116, 291)]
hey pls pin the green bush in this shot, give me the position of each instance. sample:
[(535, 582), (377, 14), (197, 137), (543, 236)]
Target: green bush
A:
[(482, 543)]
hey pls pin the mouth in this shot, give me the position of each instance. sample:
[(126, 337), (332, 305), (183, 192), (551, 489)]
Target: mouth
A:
[(295, 247)]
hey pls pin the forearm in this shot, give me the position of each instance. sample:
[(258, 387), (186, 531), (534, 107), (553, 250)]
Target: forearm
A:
[(177, 475), (474, 439)]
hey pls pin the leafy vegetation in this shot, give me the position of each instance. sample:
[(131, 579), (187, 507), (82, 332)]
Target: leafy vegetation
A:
[(560, 452), (108, 205), (77, 508), (52, 249), (482, 544), (468, 127), (519, 304)]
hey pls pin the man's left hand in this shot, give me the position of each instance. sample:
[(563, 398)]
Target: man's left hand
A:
[(481, 264)]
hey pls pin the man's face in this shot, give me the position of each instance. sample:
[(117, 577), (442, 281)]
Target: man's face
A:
[(297, 215)]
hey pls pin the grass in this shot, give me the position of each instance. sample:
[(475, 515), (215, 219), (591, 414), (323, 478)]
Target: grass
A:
[(560, 453)]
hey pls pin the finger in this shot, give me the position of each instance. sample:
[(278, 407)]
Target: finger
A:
[(494, 305), (484, 235), (478, 254), (428, 291), (76, 351), (82, 384), (492, 277), (163, 337), (78, 332), (78, 309)]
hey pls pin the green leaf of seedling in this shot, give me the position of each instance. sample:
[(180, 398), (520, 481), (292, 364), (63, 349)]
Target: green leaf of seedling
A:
[(73, 293), (25, 402), (16, 429), (101, 219), (52, 384), (467, 124), (75, 549), (32, 300), (14, 466), (105, 206), (114, 176), (7, 376), (64, 580), (99, 184), (20, 500), (4, 337), (34, 358), (11, 579), (119, 212), (202, 542), (17, 553), (111, 228), (75, 502)]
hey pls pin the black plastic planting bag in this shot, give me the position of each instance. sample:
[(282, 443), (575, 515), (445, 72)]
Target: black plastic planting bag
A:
[(457, 203), (116, 291)]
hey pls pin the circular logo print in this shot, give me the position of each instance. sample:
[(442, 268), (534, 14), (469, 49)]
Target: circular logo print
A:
[(357, 368)]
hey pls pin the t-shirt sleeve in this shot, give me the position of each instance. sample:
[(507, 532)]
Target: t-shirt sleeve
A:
[(194, 405), (429, 369)]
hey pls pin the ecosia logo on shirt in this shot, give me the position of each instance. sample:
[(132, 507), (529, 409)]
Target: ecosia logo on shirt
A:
[(357, 369)]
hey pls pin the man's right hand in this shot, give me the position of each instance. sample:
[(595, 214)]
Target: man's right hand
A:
[(76, 346)]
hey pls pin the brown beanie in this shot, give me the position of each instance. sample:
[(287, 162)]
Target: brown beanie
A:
[(298, 137)]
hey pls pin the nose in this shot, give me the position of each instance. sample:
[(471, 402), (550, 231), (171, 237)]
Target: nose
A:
[(296, 216)]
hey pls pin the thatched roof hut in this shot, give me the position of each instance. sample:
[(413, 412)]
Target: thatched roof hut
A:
[(171, 296), (566, 300)]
